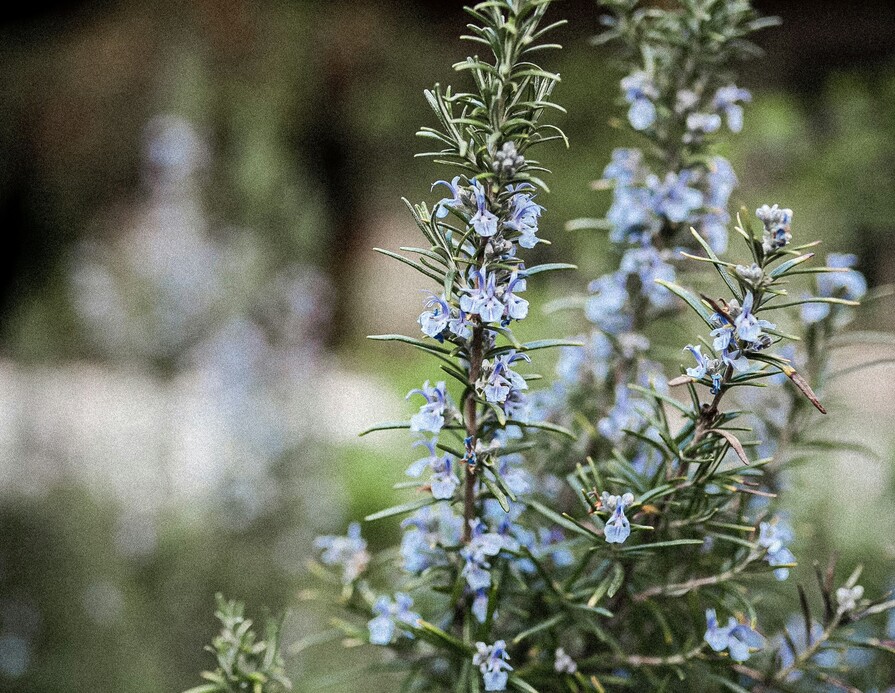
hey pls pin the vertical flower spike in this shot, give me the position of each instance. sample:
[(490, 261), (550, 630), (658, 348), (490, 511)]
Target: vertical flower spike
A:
[(476, 236), (679, 91)]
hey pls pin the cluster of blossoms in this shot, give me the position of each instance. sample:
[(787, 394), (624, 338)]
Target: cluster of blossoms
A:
[(432, 416), (737, 331), (492, 662), (737, 638), (702, 114), (646, 205), (488, 295), (774, 536), (469, 522), (776, 222), (348, 553), (384, 627)]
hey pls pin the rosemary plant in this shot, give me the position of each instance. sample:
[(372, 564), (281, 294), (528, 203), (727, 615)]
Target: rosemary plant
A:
[(464, 539), (638, 554)]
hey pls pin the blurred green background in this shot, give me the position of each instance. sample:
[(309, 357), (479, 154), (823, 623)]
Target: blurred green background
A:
[(190, 192)]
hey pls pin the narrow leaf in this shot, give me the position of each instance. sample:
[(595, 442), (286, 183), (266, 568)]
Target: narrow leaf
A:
[(549, 267), (689, 299), (734, 443), (428, 346), (496, 492), (400, 509)]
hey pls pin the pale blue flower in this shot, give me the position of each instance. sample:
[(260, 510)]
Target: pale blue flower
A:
[(435, 319), (685, 100), (703, 123), (482, 299), (476, 553), (480, 606), (483, 221), (631, 213), (738, 330), (727, 101), (606, 308), (491, 661), (850, 285), (443, 480), (813, 312), (795, 629), (617, 527), (774, 536), (591, 360), (426, 533), (523, 217), (674, 198), (431, 415), (348, 552), (515, 477), (721, 181), (459, 325), (725, 344), (704, 366), (737, 638), (713, 228), (639, 92), (648, 265), (748, 327), (624, 415), (455, 202), (499, 380), (550, 543), (699, 371), (516, 307), (625, 167), (384, 627)]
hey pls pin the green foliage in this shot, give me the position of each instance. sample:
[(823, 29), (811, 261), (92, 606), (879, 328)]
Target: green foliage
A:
[(245, 663)]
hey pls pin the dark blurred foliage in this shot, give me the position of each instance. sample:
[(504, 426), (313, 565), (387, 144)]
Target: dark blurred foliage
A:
[(81, 80), (309, 110)]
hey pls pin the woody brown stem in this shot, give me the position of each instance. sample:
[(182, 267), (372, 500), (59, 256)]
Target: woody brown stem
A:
[(707, 416), (470, 418)]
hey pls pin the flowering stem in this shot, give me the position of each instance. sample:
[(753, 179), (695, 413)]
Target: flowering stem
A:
[(471, 420)]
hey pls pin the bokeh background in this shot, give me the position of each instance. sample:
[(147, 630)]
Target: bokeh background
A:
[(189, 193)]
